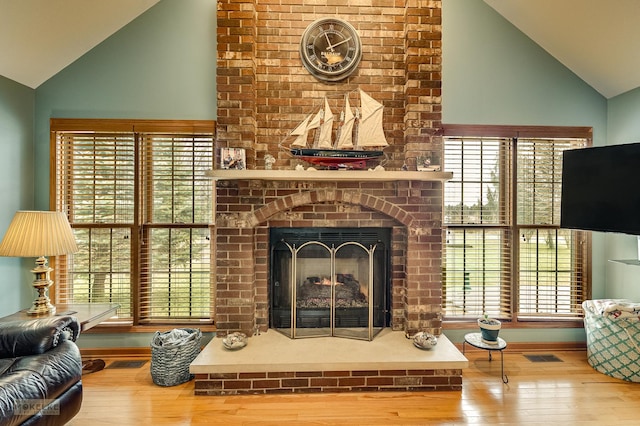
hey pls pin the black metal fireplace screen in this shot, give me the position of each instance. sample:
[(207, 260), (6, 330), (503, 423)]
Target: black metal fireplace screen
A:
[(330, 281)]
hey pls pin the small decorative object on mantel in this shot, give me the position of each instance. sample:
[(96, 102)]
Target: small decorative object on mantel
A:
[(424, 340), (489, 329), (428, 162), (359, 136), (234, 341), (268, 161)]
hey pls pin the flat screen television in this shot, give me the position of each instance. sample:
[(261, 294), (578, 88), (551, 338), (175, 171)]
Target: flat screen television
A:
[(601, 189)]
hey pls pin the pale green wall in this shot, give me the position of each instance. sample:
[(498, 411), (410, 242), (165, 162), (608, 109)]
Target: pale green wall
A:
[(162, 65), (16, 186), (494, 74), (623, 281)]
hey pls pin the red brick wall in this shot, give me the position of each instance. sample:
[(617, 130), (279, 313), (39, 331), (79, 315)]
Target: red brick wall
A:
[(264, 91), (327, 381), (247, 209)]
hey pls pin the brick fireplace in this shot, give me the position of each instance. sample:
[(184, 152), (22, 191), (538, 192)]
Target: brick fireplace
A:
[(263, 92), (248, 208)]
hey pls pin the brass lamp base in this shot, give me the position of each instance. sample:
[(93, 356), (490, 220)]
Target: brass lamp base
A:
[(42, 305)]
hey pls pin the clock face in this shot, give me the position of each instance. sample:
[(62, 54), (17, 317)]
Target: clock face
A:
[(330, 49)]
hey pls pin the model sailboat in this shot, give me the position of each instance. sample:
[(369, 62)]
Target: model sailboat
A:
[(359, 136)]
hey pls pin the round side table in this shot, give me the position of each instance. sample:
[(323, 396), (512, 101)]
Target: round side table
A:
[(475, 340)]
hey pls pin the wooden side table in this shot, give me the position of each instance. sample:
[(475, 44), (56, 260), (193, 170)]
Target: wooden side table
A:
[(475, 340), (88, 314)]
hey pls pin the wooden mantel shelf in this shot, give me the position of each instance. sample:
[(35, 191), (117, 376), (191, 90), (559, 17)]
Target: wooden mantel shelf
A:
[(329, 175)]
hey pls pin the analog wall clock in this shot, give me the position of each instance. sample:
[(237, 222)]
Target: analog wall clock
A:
[(330, 49)]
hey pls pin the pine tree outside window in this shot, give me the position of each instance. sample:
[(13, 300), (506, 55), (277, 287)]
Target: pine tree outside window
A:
[(138, 198)]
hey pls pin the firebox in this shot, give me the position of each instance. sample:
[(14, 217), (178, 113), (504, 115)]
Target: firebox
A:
[(330, 281)]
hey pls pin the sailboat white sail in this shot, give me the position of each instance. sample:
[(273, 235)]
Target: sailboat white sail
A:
[(301, 133), (345, 138), (370, 131), (326, 128), (315, 123)]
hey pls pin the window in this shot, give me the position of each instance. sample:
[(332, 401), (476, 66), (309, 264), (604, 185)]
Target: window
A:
[(504, 253), (139, 201)]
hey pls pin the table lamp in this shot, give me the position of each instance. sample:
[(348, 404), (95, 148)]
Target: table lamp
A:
[(39, 234)]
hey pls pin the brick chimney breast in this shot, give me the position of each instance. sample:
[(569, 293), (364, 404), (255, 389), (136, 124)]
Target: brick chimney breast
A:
[(263, 91)]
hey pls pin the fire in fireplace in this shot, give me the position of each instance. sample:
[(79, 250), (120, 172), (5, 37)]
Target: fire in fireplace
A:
[(330, 281)]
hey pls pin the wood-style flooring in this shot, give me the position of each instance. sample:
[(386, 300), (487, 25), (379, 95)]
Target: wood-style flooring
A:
[(567, 392)]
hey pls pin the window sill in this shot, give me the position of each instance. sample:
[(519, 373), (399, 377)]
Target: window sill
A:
[(522, 324), (107, 328)]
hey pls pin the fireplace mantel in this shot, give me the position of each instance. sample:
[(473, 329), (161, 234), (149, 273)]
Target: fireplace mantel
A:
[(329, 175)]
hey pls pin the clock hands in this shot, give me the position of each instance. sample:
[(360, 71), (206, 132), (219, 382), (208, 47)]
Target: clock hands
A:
[(328, 41), (331, 46), (330, 55)]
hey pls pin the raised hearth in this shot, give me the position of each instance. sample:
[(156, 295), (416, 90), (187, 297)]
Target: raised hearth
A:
[(273, 363)]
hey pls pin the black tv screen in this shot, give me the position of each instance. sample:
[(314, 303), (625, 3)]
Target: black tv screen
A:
[(601, 189)]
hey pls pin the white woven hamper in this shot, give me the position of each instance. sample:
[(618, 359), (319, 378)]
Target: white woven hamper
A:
[(612, 344), (171, 354)]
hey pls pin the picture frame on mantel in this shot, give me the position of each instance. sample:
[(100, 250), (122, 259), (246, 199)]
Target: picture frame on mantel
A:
[(233, 159)]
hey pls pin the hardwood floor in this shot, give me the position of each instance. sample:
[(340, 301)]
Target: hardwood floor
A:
[(538, 393)]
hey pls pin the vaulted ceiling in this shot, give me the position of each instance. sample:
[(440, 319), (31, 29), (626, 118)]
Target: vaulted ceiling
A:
[(597, 40), (38, 38)]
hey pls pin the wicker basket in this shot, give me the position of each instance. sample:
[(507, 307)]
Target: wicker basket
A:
[(171, 354)]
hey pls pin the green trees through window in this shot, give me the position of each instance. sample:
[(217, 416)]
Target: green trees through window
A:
[(139, 200), (504, 253)]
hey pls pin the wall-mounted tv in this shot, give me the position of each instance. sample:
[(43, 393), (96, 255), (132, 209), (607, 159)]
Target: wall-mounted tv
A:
[(601, 189)]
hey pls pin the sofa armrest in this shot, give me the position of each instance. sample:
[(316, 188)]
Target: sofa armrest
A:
[(36, 336)]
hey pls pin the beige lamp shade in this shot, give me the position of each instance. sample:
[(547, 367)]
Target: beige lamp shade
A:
[(38, 233)]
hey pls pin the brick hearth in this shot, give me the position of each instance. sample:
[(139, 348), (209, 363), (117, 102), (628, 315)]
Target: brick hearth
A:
[(273, 363)]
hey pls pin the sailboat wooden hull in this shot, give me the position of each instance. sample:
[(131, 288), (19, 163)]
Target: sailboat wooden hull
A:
[(336, 158)]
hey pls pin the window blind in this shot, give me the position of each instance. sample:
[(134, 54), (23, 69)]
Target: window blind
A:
[(504, 253), (477, 265), (175, 279), (139, 202), (96, 177), (550, 281)]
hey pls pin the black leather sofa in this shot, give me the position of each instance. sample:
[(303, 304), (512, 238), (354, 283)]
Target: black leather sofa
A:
[(40, 371)]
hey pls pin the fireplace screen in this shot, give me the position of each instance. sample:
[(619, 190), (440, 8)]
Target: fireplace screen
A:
[(329, 281)]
